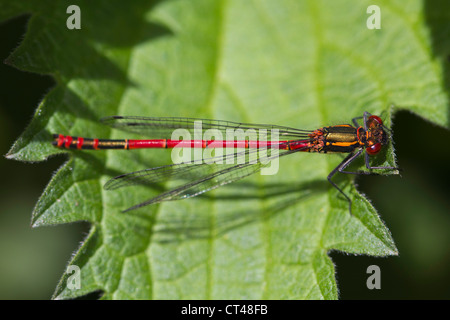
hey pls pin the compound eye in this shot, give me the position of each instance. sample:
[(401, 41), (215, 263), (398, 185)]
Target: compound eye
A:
[(374, 149), (377, 119)]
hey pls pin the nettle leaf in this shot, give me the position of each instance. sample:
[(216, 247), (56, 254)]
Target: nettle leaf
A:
[(297, 63)]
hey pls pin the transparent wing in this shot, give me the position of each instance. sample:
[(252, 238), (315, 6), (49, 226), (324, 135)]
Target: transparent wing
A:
[(202, 177)]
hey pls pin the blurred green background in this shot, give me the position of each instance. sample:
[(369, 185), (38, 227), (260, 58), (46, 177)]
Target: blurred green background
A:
[(415, 207)]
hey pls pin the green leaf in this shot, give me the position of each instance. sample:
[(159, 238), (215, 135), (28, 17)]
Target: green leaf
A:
[(297, 63)]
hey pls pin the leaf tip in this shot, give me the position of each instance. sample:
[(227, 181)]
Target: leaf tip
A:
[(11, 155), (8, 61)]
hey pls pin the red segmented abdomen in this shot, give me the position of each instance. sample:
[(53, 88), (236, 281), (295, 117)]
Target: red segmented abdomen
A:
[(168, 143), (70, 142)]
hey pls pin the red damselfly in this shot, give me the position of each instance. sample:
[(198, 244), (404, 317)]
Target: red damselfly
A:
[(368, 138)]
